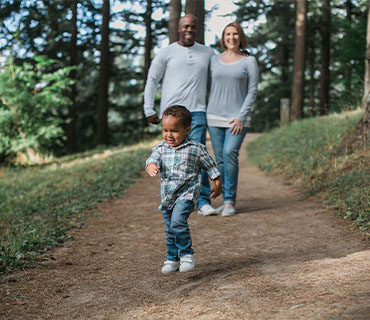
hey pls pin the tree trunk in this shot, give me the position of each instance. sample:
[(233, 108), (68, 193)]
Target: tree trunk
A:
[(148, 38), (103, 137), (312, 66), (325, 59), (299, 60), (173, 24), (196, 8), (346, 69), (71, 126), (365, 99), (148, 51)]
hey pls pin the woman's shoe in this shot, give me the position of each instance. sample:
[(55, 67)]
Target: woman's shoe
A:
[(228, 211)]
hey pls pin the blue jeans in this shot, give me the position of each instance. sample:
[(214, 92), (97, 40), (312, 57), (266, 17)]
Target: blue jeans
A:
[(177, 230), (226, 148), (198, 133)]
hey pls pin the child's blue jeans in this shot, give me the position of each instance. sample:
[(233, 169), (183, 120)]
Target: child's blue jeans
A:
[(177, 230)]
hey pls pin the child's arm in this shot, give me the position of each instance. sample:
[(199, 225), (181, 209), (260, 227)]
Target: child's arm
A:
[(153, 163), (152, 169), (217, 188)]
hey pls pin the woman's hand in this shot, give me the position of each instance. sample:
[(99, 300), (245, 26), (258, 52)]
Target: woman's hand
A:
[(237, 126)]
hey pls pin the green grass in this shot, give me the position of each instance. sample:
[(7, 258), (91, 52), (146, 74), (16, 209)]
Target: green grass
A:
[(304, 151), (39, 204)]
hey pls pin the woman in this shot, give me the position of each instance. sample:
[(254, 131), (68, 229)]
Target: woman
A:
[(234, 85)]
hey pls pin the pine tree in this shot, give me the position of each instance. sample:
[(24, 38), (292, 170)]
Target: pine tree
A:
[(299, 61)]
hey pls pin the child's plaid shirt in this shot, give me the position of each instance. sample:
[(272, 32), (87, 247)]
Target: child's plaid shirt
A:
[(180, 170)]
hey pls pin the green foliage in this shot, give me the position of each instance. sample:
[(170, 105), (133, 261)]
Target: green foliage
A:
[(272, 43), (304, 151), (33, 96), (348, 49), (39, 205)]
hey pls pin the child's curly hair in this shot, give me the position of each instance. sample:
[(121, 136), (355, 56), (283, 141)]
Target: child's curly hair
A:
[(179, 112)]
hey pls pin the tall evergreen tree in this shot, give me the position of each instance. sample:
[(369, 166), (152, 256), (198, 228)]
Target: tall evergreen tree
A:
[(148, 38), (173, 23), (365, 99), (103, 134), (299, 60), (346, 68), (196, 8), (325, 58), (71, 125)]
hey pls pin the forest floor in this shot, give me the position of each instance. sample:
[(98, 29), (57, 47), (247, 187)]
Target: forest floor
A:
[(283, 256)]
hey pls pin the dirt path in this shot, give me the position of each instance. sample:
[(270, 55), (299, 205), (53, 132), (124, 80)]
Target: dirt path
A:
[(282, 257)]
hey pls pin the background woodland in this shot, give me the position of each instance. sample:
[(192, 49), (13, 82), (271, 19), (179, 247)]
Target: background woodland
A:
[(71, 80)]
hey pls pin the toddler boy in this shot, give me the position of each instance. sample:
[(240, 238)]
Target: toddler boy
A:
[(180, 161)]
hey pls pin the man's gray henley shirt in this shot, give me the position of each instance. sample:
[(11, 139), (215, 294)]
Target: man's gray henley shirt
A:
[(184, 75)]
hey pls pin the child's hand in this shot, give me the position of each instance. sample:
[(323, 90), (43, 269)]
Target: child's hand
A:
[(217, 188), (152, 169)]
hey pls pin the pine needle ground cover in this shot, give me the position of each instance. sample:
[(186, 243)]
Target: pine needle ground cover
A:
[(39, 204), (304, 151)]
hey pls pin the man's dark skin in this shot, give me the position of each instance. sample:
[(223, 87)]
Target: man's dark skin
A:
[(187, 33)]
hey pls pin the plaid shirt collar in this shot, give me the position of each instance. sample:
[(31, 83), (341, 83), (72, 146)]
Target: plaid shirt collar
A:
[(181, 145)]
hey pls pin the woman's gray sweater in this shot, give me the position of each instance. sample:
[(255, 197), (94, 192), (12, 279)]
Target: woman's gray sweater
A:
[(234, 89)]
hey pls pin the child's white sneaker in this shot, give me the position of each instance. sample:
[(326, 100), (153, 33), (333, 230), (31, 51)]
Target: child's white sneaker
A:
[(187, 263), (170, 266)]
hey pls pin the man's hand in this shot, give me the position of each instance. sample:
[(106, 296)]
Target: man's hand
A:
[(152, 169), (153, 119), (217, 188)]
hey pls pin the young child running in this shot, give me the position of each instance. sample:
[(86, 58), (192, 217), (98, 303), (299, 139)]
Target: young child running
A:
[(180, 161)]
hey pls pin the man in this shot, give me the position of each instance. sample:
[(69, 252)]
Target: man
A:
[(183, 69)]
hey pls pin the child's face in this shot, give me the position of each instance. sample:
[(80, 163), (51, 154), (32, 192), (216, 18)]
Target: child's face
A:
[(173, 131)]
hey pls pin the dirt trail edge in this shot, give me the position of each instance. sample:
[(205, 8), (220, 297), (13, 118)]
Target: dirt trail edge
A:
[(283, 256)]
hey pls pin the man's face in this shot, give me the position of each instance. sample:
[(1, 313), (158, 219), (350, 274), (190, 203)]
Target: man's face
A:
[(173, 131), (187, 31)]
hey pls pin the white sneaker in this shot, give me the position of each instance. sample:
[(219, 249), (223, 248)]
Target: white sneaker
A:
[(228, 211), (207, 210), (187, 263), (170, 266)]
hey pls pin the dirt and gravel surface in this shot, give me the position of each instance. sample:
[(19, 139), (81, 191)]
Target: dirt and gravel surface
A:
[(283, 256)]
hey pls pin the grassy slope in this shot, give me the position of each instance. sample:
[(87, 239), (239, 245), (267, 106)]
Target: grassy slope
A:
[(39, 204), (304, 151)]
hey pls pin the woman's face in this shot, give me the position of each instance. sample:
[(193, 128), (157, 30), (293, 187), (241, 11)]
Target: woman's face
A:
[(231, 38)]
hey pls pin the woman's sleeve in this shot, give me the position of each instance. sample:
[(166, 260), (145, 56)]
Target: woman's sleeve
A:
[(253, 75)]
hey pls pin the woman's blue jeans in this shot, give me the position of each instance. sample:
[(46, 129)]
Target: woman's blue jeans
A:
[(198, 133), (177, 230), (226, 149)]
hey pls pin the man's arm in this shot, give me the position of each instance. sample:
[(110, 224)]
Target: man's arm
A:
[(155, 74), (153, 119)]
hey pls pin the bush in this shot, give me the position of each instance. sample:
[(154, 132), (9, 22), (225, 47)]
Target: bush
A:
[(33, 96)]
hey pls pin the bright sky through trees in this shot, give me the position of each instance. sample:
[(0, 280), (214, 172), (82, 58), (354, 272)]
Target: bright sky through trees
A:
[(214, 23)]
